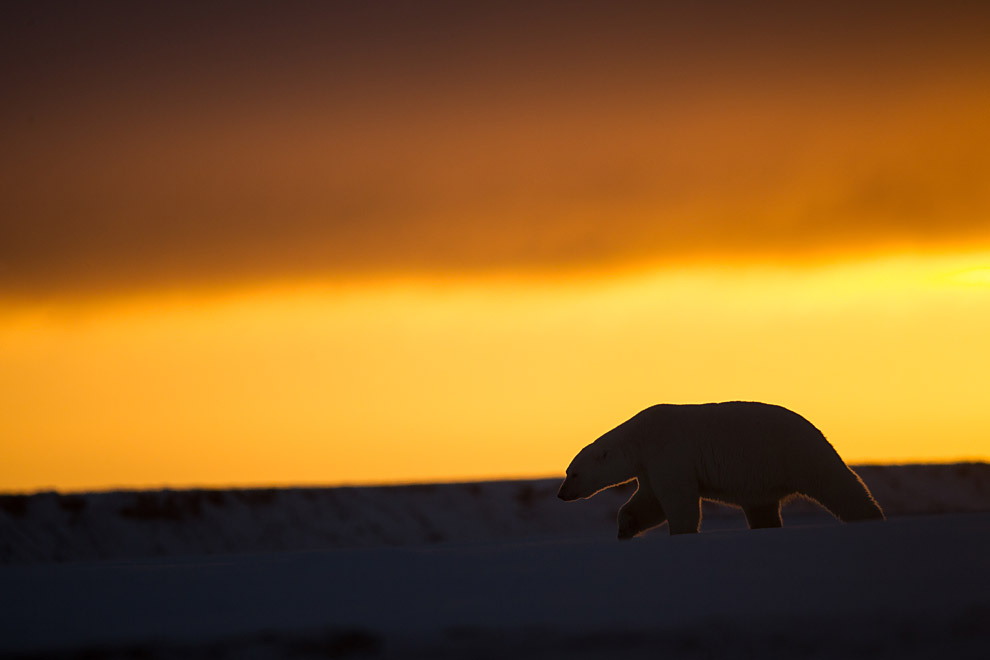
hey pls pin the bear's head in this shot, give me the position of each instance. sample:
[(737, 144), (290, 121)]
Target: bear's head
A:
[(602, 464)]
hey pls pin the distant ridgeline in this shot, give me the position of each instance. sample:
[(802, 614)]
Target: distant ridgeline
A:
[(49, 527)]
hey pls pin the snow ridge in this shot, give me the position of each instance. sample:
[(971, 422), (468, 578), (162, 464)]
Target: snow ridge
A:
[(49, 527)]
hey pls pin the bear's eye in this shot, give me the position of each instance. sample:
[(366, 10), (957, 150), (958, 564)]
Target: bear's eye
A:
[(604, 455)]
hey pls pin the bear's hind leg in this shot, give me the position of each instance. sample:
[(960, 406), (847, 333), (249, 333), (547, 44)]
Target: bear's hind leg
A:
[(845, 495), (763, 516)]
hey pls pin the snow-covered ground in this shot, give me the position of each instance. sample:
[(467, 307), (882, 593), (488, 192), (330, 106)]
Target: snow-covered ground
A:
[(491, 570), (118, 525)]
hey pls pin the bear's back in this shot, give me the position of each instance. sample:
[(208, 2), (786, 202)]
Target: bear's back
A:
[(736, 440), (739, 419)]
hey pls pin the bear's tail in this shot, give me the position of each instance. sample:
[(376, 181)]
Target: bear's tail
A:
[(847, 497)]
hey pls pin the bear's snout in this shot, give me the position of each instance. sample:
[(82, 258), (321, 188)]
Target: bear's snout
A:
[(565, 493)]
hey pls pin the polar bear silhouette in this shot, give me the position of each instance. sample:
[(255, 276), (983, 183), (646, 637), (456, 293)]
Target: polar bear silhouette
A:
[(752, 455)]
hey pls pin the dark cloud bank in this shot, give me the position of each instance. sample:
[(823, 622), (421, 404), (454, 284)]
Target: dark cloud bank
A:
[(179, 144)]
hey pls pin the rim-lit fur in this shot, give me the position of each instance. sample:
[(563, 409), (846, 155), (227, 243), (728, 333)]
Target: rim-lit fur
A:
[(752, 455)]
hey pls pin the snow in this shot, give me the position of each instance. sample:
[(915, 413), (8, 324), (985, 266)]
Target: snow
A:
[(118, 525), (498, 569)]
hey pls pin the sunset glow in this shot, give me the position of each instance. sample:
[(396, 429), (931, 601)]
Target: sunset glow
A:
[(425, 380), (327, 245)]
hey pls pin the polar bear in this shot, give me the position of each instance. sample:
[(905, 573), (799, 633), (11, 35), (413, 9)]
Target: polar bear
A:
[(753, 455), (641, 512)]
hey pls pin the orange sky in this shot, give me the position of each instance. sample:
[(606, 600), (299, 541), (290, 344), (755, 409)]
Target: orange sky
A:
[(329, 242)]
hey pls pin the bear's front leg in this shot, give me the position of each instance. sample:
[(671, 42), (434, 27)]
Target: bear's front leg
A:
[(683, 513), (672, 474), (763, 516), (641, 512), (680, 501)]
